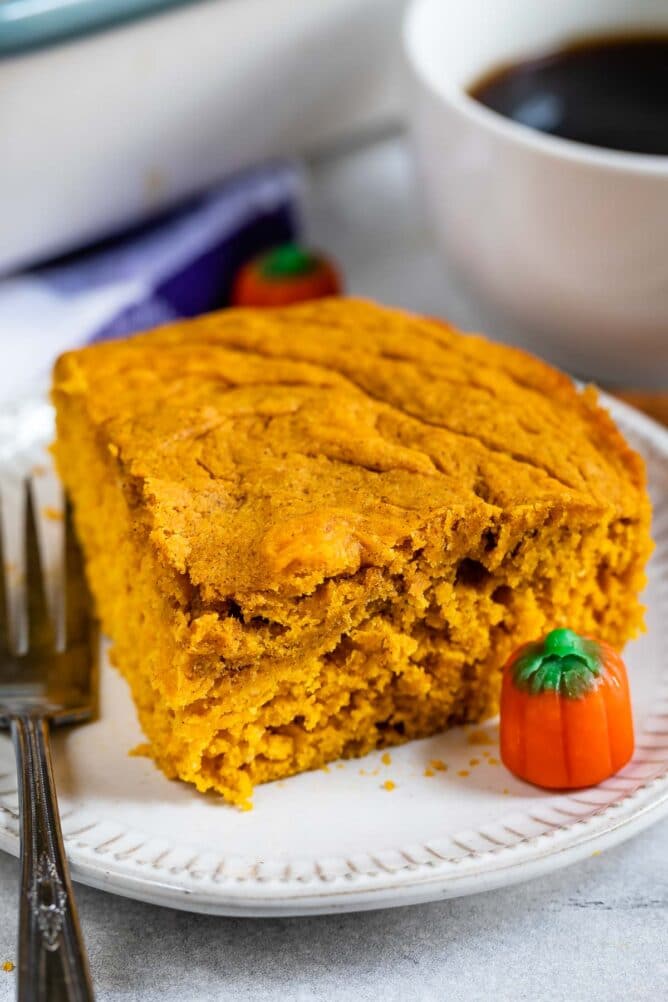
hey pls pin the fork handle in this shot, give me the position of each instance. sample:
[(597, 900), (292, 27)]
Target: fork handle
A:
[(52, 956)]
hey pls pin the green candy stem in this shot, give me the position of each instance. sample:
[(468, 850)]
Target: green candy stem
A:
[(288, 261), (563, 662)]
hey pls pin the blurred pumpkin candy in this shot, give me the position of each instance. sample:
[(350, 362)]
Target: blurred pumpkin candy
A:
[(565, 712), (287, 274)]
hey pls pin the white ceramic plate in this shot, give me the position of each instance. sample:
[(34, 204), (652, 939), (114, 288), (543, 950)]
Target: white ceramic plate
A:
[(337, 840)]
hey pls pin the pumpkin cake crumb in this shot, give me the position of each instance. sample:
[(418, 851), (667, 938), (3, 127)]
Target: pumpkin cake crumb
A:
[(8, 966), (389, 785), (474, 762), (319, 531), (492, 760), (429, 772), (479, 737), (463, 773), (438, 764), (386, 758)]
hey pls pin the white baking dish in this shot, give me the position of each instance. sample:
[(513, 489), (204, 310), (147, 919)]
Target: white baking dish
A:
[(106, 129)]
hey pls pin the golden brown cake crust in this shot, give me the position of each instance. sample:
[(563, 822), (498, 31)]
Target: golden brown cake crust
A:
[(321, 530), (272, 452)]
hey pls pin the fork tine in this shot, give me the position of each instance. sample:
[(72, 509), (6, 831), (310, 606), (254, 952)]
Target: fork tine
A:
[(5, 644), (12, 518), (77, 599), (47, 499), (76, 667), (40, 627)]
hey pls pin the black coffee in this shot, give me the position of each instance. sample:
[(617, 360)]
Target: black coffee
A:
[(610, 92)]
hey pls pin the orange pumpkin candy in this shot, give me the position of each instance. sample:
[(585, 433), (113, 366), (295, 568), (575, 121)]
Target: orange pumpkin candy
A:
[(566, 717), (284, 275)]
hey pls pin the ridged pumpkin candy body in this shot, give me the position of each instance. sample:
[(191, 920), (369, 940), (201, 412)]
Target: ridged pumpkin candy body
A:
[(566, 718)]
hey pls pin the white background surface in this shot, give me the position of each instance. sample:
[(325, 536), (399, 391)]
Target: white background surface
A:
[(596, 931)]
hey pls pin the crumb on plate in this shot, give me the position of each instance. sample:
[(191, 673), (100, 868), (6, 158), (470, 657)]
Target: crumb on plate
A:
[(479, 737)]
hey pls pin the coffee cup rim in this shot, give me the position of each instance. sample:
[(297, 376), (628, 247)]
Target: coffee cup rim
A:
[(554, 147)]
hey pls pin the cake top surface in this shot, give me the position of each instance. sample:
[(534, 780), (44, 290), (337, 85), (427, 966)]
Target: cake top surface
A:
[(270, 450)]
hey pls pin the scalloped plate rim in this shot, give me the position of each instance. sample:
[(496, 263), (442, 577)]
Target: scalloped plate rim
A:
[(448, 880)]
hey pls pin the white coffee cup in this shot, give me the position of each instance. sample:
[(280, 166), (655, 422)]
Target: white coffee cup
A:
[(565, 243)]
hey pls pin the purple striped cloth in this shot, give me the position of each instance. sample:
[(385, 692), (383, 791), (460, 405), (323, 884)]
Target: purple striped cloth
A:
[(178, 266)]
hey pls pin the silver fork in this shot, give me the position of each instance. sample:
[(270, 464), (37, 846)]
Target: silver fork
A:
[(46, 677)]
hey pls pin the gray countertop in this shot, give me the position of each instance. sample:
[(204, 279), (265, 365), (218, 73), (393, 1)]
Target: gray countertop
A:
[(596, 931)]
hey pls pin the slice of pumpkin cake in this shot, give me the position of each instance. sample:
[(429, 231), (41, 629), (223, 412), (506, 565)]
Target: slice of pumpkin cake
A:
[(320, 530)]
